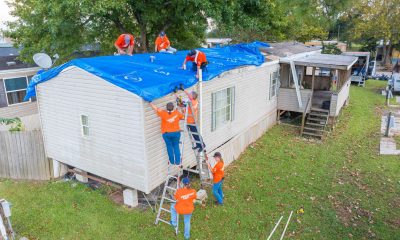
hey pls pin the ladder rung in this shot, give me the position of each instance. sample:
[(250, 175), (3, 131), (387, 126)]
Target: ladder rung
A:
[(172, 176), (166, 210), (169, 199), (171, 188), (162, 220)]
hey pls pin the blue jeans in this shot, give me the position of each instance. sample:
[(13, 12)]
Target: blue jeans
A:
[(172, 142), (186, 221), (217, 191)]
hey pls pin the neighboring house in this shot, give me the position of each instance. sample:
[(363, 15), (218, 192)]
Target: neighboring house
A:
[(217, 42), (94, 116), (14, 79), (314, 85), (317, 43)]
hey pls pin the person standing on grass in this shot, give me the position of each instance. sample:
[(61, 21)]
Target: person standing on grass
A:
[(218, 176), (124, 44), (170, 131), (184, 206)]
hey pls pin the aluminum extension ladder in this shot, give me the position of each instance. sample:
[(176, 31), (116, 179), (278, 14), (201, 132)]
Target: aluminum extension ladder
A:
[(172, 182)]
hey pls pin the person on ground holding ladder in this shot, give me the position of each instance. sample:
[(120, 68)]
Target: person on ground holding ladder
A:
[(218, 176), (184, 206), (170, 130), (193, 116)]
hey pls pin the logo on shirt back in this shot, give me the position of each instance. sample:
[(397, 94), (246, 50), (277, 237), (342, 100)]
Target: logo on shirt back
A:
[(186, 196), (172, 119)]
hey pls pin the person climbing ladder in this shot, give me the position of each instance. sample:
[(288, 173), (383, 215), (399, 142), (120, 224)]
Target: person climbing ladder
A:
[(170, 130)]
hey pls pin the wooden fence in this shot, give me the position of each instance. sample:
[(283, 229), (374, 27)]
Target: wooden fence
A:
[(22, 156)]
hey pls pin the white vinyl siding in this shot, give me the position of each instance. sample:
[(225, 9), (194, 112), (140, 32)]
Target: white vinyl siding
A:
[(115, 148), (223, 103), (274, 79), (15, 89)]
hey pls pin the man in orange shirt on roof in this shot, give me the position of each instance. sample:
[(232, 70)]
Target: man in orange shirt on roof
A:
[(163, 44), (124, 44), (198, 60), (184, 206), (170, 130)]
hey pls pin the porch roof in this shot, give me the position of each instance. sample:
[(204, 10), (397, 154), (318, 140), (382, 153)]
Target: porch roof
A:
[(324, 61)]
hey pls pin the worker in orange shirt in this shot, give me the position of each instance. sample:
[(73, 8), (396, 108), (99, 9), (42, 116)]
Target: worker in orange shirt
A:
[(184, 206), (163, 44), (191, 120), (198, 60), (218, 177), (124, 44), (170, 130)]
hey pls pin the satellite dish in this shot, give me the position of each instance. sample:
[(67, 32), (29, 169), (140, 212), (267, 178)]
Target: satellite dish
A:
[(43, 60)]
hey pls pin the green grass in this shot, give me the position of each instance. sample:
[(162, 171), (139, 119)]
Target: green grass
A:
[(348, 191)]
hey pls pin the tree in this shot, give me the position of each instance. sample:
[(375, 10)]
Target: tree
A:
[(63, 27), (377, 20), (330, 49)]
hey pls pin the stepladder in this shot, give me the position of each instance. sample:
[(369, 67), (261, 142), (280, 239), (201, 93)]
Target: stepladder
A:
[(172, 182)]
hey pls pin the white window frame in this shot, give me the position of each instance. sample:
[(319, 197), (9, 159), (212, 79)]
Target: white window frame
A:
[(85, 126), (214, 125), (24, 89), (273, 88)]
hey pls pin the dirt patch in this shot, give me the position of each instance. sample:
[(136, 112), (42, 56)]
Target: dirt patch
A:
[(116, 197), (394, 223)]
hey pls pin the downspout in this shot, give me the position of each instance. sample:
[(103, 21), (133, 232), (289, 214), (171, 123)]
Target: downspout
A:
[(200, 101)]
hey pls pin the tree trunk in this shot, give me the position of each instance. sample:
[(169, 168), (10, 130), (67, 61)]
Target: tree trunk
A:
[(387, 52)]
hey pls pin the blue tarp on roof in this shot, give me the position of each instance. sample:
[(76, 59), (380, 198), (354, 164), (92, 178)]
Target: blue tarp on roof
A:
[(152, 80)]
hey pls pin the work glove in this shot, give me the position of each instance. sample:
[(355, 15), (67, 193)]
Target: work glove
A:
[(175, 89), (181, 87)]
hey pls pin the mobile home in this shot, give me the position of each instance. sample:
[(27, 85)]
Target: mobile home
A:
[(95, 115)]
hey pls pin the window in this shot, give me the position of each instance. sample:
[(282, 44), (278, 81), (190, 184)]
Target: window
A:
[(273, 84), (222, 107), (15, 89), (85, 125)]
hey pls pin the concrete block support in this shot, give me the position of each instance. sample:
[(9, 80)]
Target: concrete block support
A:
[(131, 197), (81, 178), (58, 169)]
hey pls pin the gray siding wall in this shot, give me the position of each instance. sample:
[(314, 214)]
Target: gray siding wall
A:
[(338, 100), (287, 99), (20, 110), (115, 148), (254, 114), (3, 97)]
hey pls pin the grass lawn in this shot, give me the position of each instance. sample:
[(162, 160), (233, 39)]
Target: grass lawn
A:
[(348, 191)]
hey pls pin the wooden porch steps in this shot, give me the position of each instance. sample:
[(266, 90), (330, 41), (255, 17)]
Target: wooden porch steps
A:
[(315, 124)]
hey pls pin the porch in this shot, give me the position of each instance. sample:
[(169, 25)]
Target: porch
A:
[(316, 84)]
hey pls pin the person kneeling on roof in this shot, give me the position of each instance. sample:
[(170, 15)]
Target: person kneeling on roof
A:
[(170, 131), (124, 44), (184, 205), (163, 44), (192, 117), (198, 60)]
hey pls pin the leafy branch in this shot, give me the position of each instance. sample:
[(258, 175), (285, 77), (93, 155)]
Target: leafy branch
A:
[(15, 124)]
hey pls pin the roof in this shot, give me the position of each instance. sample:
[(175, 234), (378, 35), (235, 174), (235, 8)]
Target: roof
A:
[(152, 80), (10, 54), (284, 49), (357, 54), (325, 61)]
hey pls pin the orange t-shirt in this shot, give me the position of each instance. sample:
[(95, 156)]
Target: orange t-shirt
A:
[(162, 43), (170, 121), (195, 105), (121, 41), (184, 200), (198, 58), (218, 171)]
